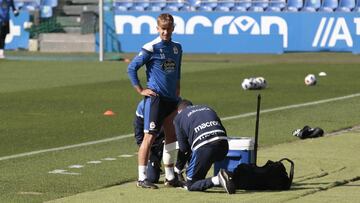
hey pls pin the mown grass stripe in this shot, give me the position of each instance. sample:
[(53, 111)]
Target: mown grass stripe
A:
[(223, 119)]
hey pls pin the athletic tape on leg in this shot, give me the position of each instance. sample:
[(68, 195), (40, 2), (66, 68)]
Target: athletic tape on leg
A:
[(169, 153)]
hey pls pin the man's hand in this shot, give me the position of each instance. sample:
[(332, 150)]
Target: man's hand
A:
[(16, 12), (148, 92)]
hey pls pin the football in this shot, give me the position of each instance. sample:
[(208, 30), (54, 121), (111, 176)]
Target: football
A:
[(310, 80), (246, 84)]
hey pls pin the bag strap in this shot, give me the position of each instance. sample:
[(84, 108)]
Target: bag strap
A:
[(291, 176)]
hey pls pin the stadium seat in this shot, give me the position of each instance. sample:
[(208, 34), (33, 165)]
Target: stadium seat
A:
[(46, 11), (208, 3), (329, 5), (142, 3), (51, 3), (121, 8), (293, 5), (157, 3), (260, 3), (122, 4), (19, 4), (357, 8), (346, 5), (177, 3), (204, 8), (222, 8), (256, 9), (238, 9), (276, 5), (137, 8), (243, 3), (226, 3), (311, 5), (32, 5), (153, 8), (171, 8)]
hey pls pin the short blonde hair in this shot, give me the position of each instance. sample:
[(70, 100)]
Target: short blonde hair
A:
[(165, 19)]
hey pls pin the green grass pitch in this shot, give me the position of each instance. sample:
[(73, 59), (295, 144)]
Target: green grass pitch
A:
[(53, 104)]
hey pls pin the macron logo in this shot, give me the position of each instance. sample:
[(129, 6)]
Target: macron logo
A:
[(14, 31), (332, 30)]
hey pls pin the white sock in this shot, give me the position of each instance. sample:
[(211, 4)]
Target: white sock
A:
[(215, 180), (142, 173), (177, 170), (169, 173)]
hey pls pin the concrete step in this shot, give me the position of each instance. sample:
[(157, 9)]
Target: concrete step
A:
[(66, 42), (76, 10)]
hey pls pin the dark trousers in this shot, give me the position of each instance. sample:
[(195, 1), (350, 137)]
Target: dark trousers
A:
[(201, 162), (4, 30)]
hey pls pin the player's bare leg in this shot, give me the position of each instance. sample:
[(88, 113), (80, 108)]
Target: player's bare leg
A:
[(143, 157)]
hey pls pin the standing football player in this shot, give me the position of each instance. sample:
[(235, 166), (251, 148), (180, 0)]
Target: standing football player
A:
[(162, 58), (5, 6)]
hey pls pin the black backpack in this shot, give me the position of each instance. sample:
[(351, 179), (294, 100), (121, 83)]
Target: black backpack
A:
[(271, 176)]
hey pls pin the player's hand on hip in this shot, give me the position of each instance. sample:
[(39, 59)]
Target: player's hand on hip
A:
[(148, 92)]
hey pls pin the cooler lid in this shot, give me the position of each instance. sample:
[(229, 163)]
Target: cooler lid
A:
[(241, 143)]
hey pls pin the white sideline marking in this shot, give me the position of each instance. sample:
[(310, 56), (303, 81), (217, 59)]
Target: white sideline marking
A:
[(126, 155), (94, 162), (76, 166), (66, 147), (291, 106), (109, 159), (223, 119), (63, 172)]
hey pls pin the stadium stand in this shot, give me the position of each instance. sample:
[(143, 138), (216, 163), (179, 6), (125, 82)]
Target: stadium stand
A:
[(79, 17), (329, 5), (311, 5), (346, 5)]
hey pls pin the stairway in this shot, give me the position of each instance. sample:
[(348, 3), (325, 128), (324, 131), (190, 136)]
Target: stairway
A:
[(67, 42), (78, 20)]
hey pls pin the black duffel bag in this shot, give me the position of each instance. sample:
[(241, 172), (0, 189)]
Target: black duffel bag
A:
[(271, 176)]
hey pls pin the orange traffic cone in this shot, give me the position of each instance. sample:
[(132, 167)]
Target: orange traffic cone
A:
[(109, 113)]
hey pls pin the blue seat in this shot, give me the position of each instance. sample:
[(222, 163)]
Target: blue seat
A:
[(346, 5), (171, 8), (329, 5), (243, 3), (121, 4), (222, 8), (137, 8), (51, 3), (293, 5), (19, 4), (226, 3), (32, 5), (204, 8), (260, 3), (142, 3), (187, 8), (46, 11), (311, 5), (177, 3), (154, 8), (158, 3), (239, 9), (276, 5), (209, 3), (256, 9), (357, 8)]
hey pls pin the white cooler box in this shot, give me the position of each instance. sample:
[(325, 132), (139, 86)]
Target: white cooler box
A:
[(241, 150)]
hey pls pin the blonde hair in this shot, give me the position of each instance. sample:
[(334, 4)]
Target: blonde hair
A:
[(165, 19)]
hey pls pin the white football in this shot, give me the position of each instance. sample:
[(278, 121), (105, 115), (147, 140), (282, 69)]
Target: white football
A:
[(262, 82), (310, 80), (246, 84)]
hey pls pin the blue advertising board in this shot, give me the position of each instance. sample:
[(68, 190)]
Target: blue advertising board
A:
[(18, 38), (240, 32)]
